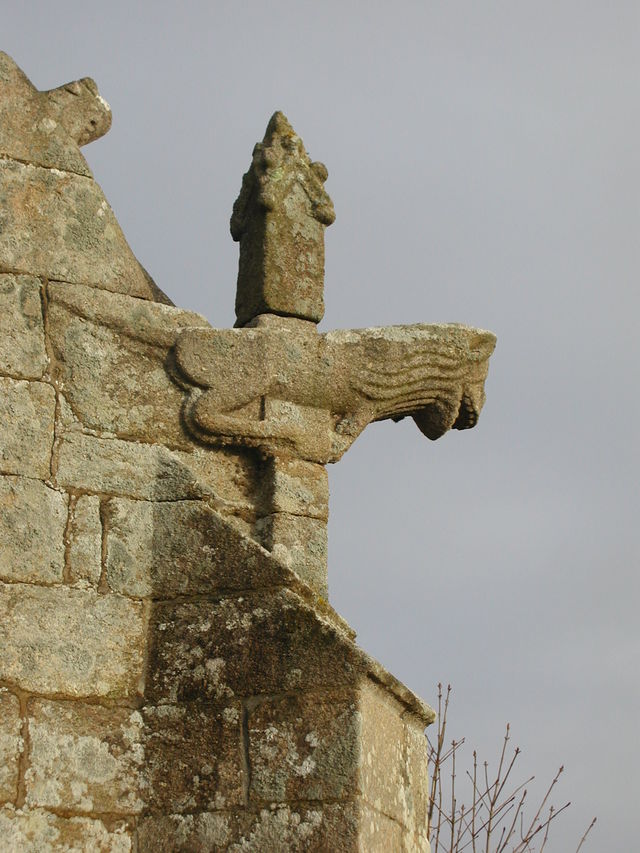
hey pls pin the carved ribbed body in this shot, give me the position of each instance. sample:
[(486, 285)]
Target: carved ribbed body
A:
[(339, 382)]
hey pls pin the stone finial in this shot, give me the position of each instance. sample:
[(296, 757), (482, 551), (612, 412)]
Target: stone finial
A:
[(279, 220), (47, 128)]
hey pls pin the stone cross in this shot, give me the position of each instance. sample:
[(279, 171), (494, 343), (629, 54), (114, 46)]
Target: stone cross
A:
[(299, 397)]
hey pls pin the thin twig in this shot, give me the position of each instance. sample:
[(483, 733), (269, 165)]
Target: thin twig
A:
[(546, 832), (512, 826), (453, 793), (584, 837), (474, 806), (536, 817)]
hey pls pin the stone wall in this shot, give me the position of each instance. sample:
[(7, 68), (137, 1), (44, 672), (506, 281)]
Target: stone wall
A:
[(166, 682)]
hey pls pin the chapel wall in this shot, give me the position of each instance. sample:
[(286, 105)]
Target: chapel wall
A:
[(159, 681), (166, 683)]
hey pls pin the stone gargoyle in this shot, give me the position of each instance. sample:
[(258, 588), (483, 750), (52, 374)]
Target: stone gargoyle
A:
[(277, 384), (283, 387)]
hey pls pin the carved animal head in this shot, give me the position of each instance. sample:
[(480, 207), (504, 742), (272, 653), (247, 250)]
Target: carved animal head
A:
[(48, 128), (80, 109), (460, 409)]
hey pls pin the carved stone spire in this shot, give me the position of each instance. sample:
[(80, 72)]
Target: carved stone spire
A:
[(279, 220)]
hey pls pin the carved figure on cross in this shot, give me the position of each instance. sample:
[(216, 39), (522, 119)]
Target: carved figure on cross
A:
[(275, 383)]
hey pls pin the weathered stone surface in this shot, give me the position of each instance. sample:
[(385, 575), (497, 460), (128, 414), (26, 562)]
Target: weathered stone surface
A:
[(84, 758), (413, 843), (304, 748), (140, 320), (11, 744), (279, 219), (230, 479), (111, 356), (301, 544), (147, 471), (22, 351), (61, 640), (266, 642), (313, 828), (27, 411), (416, 792), (85, 541), (32, 524), (296, 487), (38, 831), (59, 226), (66, 421), (383, 772), (320, 747), (113, 384), (165, 549), (193, 758), (189, 833), (48, 127), (378, 831)]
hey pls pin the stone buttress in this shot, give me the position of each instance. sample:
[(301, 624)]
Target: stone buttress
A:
[(172, 677)]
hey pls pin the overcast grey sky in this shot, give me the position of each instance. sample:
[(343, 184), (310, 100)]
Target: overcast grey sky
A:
[(484, 165)]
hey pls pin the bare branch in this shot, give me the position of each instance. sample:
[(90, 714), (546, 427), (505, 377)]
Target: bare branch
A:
[(495, 820), (584, 837)]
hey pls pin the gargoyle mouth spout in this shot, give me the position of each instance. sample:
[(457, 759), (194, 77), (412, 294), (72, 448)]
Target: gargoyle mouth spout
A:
[(439, 417), (468, 414)]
